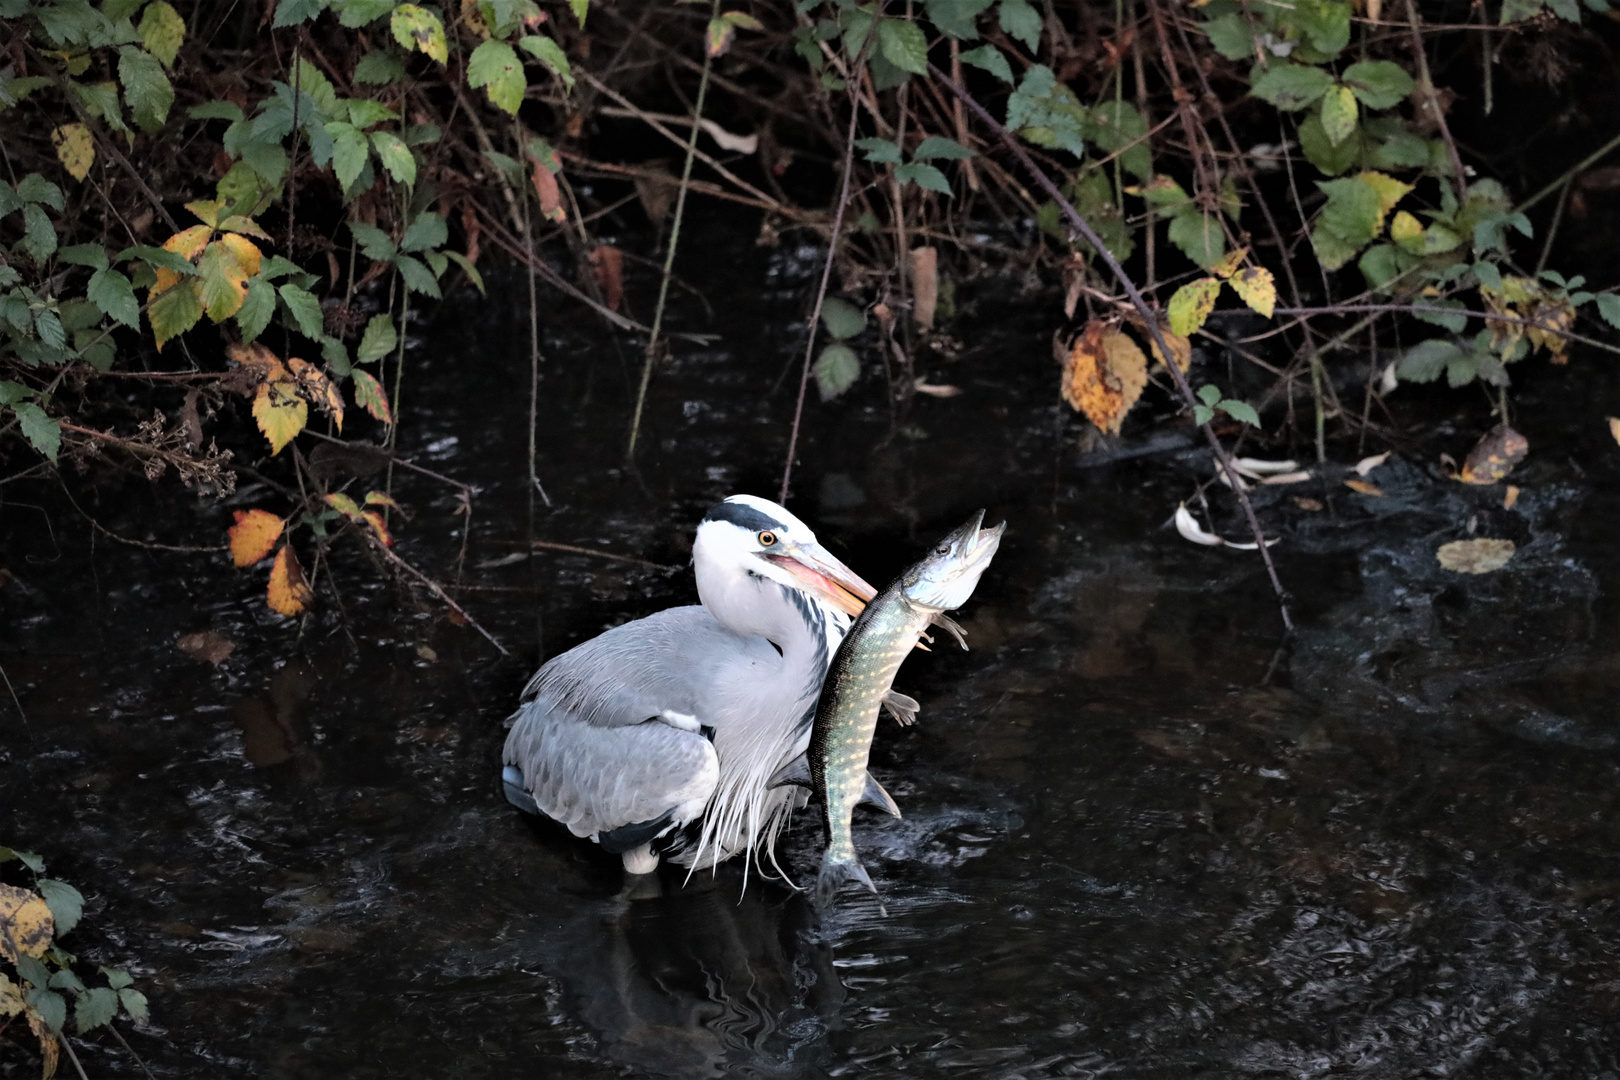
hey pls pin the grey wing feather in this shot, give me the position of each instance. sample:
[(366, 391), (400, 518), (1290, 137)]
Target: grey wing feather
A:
[(591, 737)]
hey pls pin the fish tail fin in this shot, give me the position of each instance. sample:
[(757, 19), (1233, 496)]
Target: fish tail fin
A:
[(834, 872)]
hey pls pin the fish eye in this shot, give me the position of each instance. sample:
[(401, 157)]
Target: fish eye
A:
[(943, 549), (766, 539)]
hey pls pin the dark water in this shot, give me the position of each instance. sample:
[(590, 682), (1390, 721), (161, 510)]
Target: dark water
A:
[(1145, 835)]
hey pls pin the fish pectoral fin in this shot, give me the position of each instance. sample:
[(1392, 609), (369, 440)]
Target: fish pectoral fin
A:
[(795, 773), (901, 707), (953, 628), (874, 795)]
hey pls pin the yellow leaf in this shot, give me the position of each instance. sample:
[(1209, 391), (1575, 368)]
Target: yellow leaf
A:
[(205, 211), (318, 388), (253, 535), (25, 923), (1257, 288), (289, 594), (221, 281), (1191, 305), (1511, 497), (344, 505), (75, 149), (1104, 375), (1475, 556), (11, 999), (48, 1048), (1405, 228), (382, 498), (257, 358), (1390, 191), (280, 412), (1365, 487), (1229, 263), (186, 243), (246, 251)]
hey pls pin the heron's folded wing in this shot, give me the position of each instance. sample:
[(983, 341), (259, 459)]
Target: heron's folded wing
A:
[(597, 779)]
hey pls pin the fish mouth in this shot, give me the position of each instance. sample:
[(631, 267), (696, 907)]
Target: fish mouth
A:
[(822, 574)]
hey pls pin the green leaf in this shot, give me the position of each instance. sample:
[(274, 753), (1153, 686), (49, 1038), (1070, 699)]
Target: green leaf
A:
[(91, 255), (496, 67), (34, 188), (111, 291), (348, 152), (378, 340), (117, 978), (416, 27), (39, 235), (1231, 36), (336, 355), (162, 30), (95, 1007), (1290, 87), (50, 1006), (216, 110), (1608, 305), (305, 310), (357, 13), (146, 87), (467, 266), (1115, 126), (836, 370), (364, 112), (1424, 362), (1202, 414), (133, 1001), (936, 146), (10, 394), (879, 151), (924, 176), (46, 436), (1199, 236), (1022, 22), (1383, 262), (842, 319), (1454, 320), (989, 58), (257, 308), (904, 45), (1326, 24), (543, 152), (1380, 84), (101, 99), (1241, 411), (1354, 211), (549, 53), (956, 17), (395, 156), (374, 243), (378, 68), (427, 231), (417, 277), (1209, 393), (1339, 114), (293, 12)]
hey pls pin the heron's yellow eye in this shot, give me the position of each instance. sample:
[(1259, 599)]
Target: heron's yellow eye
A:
[(766, 539)]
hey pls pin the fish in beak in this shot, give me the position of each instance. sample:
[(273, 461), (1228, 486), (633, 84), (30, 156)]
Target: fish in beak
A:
[(823, 575)]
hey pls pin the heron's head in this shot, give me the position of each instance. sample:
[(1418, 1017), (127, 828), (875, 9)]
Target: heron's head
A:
[(945, 579), (746, 541)]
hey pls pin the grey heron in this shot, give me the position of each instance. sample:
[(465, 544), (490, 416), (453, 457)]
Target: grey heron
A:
[(659, 738)]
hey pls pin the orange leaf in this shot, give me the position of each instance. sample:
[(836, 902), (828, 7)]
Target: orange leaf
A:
[(607, 263), (1104, 375), (186, 243), (1510, 497), (545, 185), (318, 388), (1494, 456), (253, 535), (1365, 487), (289, 593), (378, 526)]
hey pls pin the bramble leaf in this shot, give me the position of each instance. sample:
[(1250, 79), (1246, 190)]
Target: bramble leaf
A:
[(75, 149), (1380, 84), (989, 58), (494, 66), (1021, 21), (305, 310), (1290, 87), (162, 31), (904, 45), (44, 433), (111, 291), (395, 156), (378, 340), (549, 53), (924, 176), (289, 594), (1339, 114), (173, 313), (254, 535), (1257, 288), (1191, 305), (146, 87), (836, 370), (368, 394), (842, 319), (280, 412)]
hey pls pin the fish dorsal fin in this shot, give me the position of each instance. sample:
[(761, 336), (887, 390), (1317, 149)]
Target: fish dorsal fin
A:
[(874, 795), (795, 773)]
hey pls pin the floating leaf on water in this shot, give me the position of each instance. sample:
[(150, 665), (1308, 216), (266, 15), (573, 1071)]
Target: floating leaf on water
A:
[(1510, 497), (1475, 556), (26, 923), (1298, 477), (1104, 375), (1308, 504), (1494, 456), (1368, 464), (254, 536), (607, 265), (289, 594), (1188, 527), (1258, 467), (209, 646), (939, 390), (1365, 488)]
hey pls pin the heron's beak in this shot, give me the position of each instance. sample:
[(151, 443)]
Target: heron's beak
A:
[(821, 574)]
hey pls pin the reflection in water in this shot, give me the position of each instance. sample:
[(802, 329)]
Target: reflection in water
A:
[(272, 724), (694, 982)]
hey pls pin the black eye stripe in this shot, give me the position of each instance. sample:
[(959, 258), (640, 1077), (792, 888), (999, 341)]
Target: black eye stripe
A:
[(745, 516)]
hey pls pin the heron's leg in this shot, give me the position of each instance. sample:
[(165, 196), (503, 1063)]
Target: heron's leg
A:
[(640, 860)]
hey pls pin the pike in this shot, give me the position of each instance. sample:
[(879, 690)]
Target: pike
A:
[(861, 674)]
